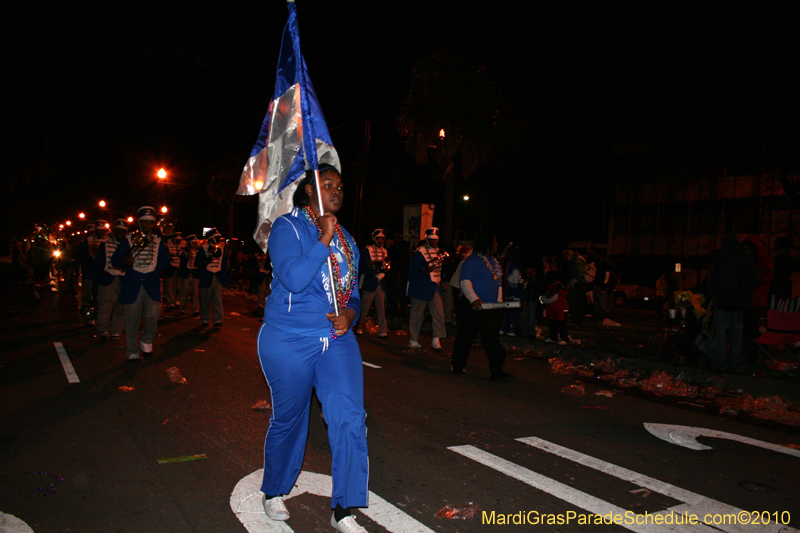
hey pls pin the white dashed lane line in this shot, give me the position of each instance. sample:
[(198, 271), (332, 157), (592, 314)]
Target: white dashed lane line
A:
[(69, 370)]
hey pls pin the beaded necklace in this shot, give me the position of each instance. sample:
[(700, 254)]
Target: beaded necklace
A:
[(342, 287), (493, 267)]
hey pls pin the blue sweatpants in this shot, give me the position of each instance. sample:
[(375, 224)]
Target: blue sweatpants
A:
[(293, 366)]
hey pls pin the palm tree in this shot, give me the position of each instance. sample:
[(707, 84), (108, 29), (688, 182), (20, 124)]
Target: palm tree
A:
[(451, 111)]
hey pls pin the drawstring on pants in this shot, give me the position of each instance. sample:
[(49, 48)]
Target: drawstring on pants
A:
[(324, 343)]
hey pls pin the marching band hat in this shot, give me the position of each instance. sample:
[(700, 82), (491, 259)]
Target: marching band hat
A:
[(146, 212), (121, 223), (101, 224), (211, 233), (432, 233), (378, 233), (90, 227), (190, 238)]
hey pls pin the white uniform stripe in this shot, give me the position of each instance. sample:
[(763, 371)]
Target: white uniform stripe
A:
[(72, 377)]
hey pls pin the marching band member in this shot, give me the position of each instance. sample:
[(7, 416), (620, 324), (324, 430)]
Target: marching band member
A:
[(263, 278), (212, 269), (110, 313), (373, 268), (425, 288), (86, 254), (187, 275), (171, 240), (141, 285)]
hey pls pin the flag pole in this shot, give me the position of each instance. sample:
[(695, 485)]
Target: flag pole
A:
[(330, 264)]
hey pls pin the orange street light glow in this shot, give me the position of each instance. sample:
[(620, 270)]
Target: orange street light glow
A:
[(441, 133), (161, 173), (69, 222), (81, 215), (164, 209), (102, 203), (130, 219)]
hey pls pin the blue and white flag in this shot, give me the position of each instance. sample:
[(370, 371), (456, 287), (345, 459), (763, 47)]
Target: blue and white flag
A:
[(293, 138)]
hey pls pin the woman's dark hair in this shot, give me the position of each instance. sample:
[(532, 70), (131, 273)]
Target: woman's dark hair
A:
[(484, 241), (300, 198)]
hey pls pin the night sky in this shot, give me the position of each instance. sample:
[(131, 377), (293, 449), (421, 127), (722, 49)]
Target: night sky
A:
[(101, 97)]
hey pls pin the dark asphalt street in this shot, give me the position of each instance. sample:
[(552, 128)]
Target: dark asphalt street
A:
[(84, 457)]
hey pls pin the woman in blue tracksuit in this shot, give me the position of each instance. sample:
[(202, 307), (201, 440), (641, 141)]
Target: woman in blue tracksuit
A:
[(303, 344)]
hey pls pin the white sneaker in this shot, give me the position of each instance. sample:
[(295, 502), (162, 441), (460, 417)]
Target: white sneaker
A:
[(511, 334), (548, 340), (436, 345), (414, 344), (347, 525), (275, 508), (146, 348)]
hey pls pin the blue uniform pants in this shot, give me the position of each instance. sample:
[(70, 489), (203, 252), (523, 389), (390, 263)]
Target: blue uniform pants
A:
[(293, 366)]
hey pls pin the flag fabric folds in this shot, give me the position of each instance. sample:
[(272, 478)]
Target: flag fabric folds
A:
[(293, 137)]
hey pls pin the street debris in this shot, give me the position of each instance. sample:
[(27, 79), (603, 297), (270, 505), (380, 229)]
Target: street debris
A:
[(458, 512), (662, 382), (182, 459), (574, 390), (175, 375), (606, 393), (125, 388), (262, 405), (234, 313), (50, 488)]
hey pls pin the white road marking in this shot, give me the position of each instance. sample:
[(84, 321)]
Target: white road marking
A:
[(69, 370), (694, 503), (564, 492), (246, 505), (686, 436), (12, 524), (369, 364)]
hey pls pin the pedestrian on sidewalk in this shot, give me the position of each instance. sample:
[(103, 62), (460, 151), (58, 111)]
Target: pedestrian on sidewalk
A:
[(731, 279)]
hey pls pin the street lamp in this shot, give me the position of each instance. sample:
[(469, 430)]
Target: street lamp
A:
[(465, 197), (68, 222), (162, 174), (130, 219), (81, 215), (164, 210), (102, 203)]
